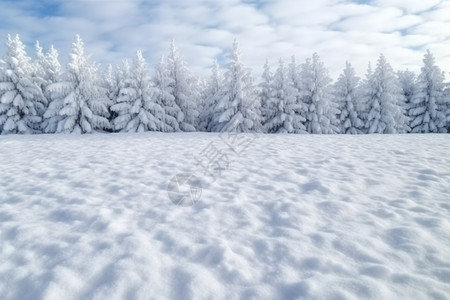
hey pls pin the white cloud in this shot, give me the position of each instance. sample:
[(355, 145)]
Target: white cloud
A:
[(338, 30)]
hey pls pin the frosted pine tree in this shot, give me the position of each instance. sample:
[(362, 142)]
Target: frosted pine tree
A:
[(407, 80), (447, 104), (363, 93), (21, 98), (213, 94), (39, 65), (48, 71), (78, 103), (266, 93), (427, 110), (238, 109), (316, 94), (46, 66), (286, 116), (384, 101), (183, 88), (295, 83), (136, 108), (52, 66), (114, 79), (163, 94), (52, 74), (346, 97)]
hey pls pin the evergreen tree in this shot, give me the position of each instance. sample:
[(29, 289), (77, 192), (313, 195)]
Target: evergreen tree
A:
[(447, 105), (296, 84), (183, 86), (384, 101), (52, 66), (114, 79), (238, 109), (316, 94), (345, 94), (427, 111), (21, 99), (46, 70), (78, 103), (286, 115), (266, 93), (136, 107), (163, 94), (213, 94), (38, 67), (407, 80)]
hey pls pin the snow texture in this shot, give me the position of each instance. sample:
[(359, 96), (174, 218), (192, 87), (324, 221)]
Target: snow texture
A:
[(294, 217)]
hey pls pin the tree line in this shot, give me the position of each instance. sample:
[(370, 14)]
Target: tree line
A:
[(38, 96)]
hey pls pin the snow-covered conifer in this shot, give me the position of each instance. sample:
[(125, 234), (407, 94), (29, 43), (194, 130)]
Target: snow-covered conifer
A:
[(346, 97), (316, 94), (407, 81), (78, 103), (427, 111), (136, 107), (286, 115), (21, 99), (266, 93), (295, 83), (213, 94), (163, 94), (114, 79), (183, 86), (447, 105), (238, 109), (384, 101)]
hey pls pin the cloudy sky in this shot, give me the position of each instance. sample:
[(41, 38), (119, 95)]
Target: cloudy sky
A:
[(339, 30)]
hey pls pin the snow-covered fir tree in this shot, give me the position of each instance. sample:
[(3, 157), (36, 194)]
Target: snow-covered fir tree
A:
[(296, 84), (286, 112), (239, 108), (363, 90), (407, 81), (212, 96), (346, 97), (114, 79), (384, 101), (78, 103), (136, 107), (52, 66), (266, 93), (47, 70), (184, 88), (163, 94), (447, 104), (427, 109), (21, 99), (316, 94), (38, 66)]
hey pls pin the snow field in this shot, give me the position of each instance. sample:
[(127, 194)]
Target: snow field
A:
[(295, 217)]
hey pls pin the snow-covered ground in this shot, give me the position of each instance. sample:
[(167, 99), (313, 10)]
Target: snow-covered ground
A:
[(292, 217)]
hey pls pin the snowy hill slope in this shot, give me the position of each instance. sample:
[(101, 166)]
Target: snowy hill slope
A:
[(292, 217)]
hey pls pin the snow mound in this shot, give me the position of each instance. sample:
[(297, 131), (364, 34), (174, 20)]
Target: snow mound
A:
[(291, 217)]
